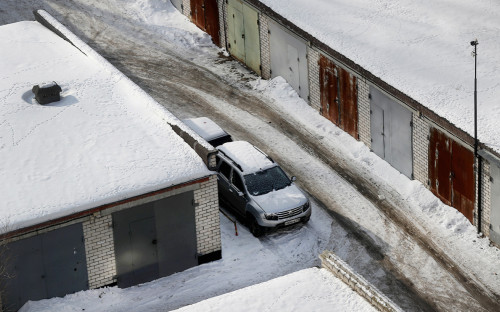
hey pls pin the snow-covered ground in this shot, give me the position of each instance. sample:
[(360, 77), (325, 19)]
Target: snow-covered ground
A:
[(293, 250), (421, 48)]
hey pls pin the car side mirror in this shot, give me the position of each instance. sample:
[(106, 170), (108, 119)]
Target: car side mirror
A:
[(294, 178), (240, 194)]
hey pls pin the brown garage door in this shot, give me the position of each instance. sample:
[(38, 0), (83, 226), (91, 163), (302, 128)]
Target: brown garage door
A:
[(339, 101), (205, 15), (451, 173)]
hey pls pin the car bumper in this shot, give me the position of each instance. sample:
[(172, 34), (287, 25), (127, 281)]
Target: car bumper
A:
[(302, 217)]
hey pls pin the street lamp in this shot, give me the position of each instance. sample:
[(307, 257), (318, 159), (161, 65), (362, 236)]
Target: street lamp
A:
[(477, 158)]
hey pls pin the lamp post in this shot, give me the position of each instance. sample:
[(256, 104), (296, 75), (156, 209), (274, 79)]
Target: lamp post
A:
[(477, 158)]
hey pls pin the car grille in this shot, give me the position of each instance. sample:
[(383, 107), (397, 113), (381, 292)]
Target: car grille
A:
[(289, 213)]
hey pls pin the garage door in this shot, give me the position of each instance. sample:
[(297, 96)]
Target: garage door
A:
[(243, 33), (495, 203), (155, 239), (451, 173), (289, 58), (45, 266), (339, 96), (391, 131), (205, 15)]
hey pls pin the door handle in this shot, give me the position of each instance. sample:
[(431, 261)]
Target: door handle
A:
[(243, 36)]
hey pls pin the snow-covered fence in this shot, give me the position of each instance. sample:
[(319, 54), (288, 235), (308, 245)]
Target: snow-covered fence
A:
[(361, 286)]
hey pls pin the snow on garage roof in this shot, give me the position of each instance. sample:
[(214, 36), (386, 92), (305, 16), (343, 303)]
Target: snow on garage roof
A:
[(106, 140), (421, 48)]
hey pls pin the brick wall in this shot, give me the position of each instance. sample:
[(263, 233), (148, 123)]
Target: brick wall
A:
[(222, 7), (265, 47), (421, 131), (364, 112), (207, 217), (100, 250), (485, 200), (186, 8), (314, 89)]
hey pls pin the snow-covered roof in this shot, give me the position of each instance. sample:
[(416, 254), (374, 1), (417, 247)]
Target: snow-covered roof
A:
[(246, 155), (106, 140), (421, 48), (205, 127)]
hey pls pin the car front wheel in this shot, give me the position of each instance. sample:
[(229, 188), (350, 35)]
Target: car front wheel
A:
[(255, 228)]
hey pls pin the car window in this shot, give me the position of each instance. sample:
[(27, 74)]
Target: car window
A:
[(225, 169), (237, 182), (265, 181)]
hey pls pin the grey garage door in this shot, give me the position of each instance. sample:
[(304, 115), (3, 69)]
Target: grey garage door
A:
[(48, 265), (391, 131), (495, 203), (155, 239), (289, 58)]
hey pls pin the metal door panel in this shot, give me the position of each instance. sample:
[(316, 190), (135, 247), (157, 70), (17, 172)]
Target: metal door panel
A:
[(65, 261), (348, 103), (462, 179), (495, 204), (177, 4), (280, 40), (24, 264), (377, 130), (293, 74), (212, 20), (440, 165), (197, 13), (236, 30), (176, 229), (134, 235), (252, 38), (399, 135)]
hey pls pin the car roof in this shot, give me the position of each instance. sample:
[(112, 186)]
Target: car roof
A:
[(248, 157), (205, 128)]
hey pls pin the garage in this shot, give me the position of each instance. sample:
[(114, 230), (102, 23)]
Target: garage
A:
[(339, 96), (289, 58), (391, 131), (495, 203), (205, 15), (243, 33), (155, 239), (451, 173), (52, 264)]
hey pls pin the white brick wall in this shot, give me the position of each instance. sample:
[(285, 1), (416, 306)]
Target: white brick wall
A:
[(314, 89), (100, 250), (265, 47), (364, 112), (421, 132), (207, 217), (485, 200), (186, 8), (222, 7)]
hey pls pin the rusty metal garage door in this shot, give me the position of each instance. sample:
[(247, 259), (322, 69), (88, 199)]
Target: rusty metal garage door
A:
[(205, 15), (47, 265), (155, 239), (243, 33), (339, 96), (289, 58), (495, 203), (391, 131), (451, 173)]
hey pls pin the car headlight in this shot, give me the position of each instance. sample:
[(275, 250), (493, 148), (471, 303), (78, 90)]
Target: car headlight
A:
[(271, 216), (305, 207)]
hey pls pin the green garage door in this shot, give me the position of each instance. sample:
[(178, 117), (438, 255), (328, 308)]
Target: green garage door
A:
[(243, 34)]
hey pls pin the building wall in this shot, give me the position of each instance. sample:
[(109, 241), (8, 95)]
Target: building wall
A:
[(207, 217), (222, 8), (265, 47), (314, 90), (420, 138), (186, 8), (485, 200), (364, 112), (99, 247)]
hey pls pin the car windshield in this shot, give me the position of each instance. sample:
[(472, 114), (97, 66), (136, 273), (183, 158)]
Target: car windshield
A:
[(265, 181)]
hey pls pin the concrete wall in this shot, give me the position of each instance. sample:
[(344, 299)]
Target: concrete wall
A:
[(485, 200), (420, 138), (314, 89), (265, 47), (207, 217), (364, 112)]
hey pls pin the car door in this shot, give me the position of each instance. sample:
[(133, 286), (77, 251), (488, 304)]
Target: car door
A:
[(237, 193), (223, 180)]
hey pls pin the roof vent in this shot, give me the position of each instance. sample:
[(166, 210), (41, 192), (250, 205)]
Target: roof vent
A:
[(47, 92)]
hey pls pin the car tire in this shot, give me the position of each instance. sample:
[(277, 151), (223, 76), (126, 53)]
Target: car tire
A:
[(255, 228), (306, 219)]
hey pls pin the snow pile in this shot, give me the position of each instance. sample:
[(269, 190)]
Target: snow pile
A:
[(106, 140), (421, 48)]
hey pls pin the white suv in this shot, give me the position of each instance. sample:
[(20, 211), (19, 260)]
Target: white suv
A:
[(257, 189)]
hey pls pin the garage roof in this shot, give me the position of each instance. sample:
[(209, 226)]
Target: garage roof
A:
[(106, 140)]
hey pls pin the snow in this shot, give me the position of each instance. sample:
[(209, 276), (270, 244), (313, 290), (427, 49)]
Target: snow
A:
[(421, 48), (246, 155), (306, 290), (205, 127), (106, 140)]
